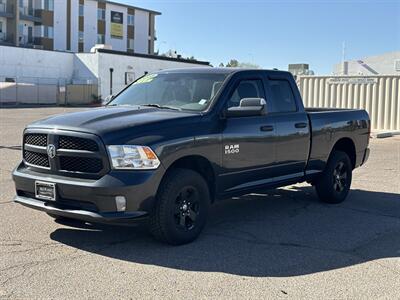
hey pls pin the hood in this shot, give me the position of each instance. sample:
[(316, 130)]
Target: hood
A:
[(107, 120)]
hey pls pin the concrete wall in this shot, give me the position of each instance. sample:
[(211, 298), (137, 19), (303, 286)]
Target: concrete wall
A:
[(60, 25), (380, 64), (20, 62), (90, 25), (141, 31), (379, 95)]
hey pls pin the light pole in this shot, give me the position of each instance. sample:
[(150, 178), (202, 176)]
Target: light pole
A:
[(111, 80)]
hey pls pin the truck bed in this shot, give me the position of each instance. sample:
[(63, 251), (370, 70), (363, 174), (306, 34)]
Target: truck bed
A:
[(329, 125), (329, 109)]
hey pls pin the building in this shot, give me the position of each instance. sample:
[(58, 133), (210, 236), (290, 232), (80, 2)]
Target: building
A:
[(77, 25), (384, 64), (298, 69), (34, 76)]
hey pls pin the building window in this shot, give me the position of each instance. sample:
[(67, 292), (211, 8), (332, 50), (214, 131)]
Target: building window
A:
[(101, 14), (80, 36), (131, 20), (81, 10), (48, 32), (49, 5), (43, 31), (2, 6), (130, 44), (101, 39), (1, 26)]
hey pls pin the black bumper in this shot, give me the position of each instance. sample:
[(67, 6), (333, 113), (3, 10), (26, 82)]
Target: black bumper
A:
[(91, 200), (121, 218)]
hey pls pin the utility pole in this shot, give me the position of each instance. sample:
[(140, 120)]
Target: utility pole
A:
[(344, 63), (111, 81)]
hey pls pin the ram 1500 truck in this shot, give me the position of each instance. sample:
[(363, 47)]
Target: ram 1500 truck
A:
[(173, 142)]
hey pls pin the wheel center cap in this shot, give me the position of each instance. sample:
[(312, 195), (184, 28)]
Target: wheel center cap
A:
[(184, 207)]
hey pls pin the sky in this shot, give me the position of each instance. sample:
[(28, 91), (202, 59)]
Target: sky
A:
[(273, 34)]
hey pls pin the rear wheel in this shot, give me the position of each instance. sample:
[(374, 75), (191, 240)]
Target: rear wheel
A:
[(182, 206), (335, 182)]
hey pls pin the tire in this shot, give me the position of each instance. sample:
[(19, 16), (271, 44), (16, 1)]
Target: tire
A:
[(181, 208), (334, 184)]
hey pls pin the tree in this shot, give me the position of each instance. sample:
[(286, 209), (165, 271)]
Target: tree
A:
[(234, 63), (249, 65)]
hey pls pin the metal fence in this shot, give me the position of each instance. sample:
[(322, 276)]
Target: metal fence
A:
[(45, 91), (379, 95)]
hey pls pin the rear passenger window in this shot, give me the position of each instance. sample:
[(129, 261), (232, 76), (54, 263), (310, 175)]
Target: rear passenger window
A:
[(282, 96)]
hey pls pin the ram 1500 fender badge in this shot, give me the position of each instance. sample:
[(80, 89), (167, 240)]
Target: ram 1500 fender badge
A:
[(232, 149)]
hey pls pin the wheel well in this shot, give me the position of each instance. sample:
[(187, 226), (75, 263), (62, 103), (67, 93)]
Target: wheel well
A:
[(346, 145), (200, 165)]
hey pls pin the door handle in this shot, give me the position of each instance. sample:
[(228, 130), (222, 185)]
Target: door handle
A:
[(267, 128), (300, 125)]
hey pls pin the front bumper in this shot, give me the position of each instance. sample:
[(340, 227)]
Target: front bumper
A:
[(91, 200), (83, 215)]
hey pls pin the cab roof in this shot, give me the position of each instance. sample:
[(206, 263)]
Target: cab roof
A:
[(218, 70)]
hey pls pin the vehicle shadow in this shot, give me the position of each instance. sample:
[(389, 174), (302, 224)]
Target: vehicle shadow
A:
[(285, 232)]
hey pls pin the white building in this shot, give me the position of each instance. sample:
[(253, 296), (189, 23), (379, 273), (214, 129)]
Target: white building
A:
[(77, 25), (384, 64), (24, 72)]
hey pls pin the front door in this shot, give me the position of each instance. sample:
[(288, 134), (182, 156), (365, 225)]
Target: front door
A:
[(248, 150)]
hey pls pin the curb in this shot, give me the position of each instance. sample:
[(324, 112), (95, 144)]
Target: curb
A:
[(382, 135)]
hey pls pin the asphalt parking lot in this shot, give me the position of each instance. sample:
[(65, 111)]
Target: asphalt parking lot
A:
[(283, 244)]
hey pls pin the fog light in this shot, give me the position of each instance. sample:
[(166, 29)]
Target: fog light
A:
[(120, 202)]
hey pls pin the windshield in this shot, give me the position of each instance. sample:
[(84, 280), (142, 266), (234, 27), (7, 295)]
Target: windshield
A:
[(183, 91)]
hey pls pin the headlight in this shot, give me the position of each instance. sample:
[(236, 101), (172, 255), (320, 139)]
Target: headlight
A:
[(133, 157)]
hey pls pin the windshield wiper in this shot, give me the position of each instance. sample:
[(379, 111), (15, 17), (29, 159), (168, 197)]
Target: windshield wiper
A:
[(160, 106)]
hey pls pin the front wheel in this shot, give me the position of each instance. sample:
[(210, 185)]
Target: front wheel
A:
[(335, 182), (181, 209)]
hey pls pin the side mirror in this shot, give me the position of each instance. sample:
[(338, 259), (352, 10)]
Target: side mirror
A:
[(248, 107)]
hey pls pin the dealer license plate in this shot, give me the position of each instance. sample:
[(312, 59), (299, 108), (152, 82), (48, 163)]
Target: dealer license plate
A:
[(45, 190)]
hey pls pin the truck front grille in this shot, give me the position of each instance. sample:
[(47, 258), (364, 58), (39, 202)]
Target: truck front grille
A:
[(37, 159), (36, 139), (72, 142), (75, 155), (81, 164)]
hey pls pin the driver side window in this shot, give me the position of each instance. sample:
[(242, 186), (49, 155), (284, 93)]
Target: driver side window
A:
[(246, 89)]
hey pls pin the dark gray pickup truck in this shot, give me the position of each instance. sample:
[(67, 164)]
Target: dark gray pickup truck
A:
[(173, 142)]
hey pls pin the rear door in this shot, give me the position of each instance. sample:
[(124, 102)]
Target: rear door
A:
[(248, 149), (292, 126)]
